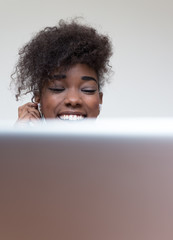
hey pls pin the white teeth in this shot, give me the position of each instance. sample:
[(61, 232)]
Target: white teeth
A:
[(71, 117)]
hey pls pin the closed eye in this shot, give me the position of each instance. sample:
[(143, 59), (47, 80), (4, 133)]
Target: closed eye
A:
[(58, 90), (89, 91)]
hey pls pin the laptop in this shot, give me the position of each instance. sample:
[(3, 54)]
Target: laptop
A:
[(91, 180)]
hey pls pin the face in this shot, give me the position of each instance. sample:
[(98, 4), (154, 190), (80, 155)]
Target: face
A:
[(72, 95)]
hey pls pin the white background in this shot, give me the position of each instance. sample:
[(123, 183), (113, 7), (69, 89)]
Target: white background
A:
[(142, 36)]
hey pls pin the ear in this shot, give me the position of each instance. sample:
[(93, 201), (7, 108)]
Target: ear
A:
[(36, 97), (100, 97)]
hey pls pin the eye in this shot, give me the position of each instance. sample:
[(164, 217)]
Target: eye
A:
[(56, 90), (88, 90)]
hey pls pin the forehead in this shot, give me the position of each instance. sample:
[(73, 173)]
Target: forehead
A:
[(78, 70)]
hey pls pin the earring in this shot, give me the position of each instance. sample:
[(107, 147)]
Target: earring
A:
[(39, 109), (100, 107)]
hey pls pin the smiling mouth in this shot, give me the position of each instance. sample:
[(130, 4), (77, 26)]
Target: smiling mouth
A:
[(71, 117)]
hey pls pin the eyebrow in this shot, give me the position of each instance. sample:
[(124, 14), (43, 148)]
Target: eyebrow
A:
[(58, 76), (88, 78)]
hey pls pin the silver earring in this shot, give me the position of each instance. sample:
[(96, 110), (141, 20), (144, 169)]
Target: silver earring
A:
[(39, 109), (100, 107)]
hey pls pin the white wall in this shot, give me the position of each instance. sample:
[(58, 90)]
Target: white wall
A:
[(142, 35)]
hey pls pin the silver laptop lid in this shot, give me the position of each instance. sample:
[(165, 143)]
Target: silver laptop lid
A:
[(99, 180)]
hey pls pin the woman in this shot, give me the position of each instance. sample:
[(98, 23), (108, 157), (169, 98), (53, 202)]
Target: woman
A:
[(64, 67)]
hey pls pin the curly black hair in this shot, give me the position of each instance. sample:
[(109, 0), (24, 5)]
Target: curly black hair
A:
[(60, 46)]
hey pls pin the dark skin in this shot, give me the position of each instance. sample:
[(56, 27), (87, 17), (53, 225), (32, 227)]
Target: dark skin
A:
[(73, 94)]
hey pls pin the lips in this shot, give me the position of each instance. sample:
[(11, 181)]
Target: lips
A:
[(71, 116)]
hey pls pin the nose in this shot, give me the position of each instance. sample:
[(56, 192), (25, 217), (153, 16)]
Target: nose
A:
[(73, 98)]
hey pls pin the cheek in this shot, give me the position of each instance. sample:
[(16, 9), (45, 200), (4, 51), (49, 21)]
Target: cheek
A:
[(49, 105), (93, 105)]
